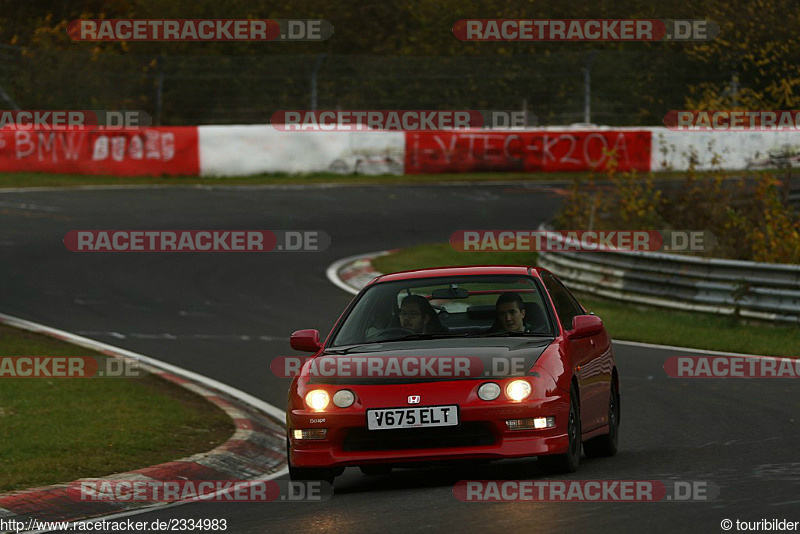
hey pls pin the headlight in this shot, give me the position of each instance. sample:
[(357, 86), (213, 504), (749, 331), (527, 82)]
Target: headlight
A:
[(489, 391), (344, 398), (317, 400), (518, 390)]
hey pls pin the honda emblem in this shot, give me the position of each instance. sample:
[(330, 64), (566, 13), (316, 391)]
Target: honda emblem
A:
[(413, 399)]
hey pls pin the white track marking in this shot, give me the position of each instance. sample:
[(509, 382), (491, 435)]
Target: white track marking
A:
[(174, 369)]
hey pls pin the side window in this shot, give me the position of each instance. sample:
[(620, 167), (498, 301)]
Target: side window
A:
[(566, 305), (575, 304)]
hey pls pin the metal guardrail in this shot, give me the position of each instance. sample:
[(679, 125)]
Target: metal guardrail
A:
[(727, 287), (794, 198)]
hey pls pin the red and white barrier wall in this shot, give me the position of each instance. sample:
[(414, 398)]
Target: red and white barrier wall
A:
[(248, 150), (146, 152), (525, 151)]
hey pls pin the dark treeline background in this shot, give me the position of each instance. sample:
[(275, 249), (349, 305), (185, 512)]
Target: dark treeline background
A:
[(400, 55)]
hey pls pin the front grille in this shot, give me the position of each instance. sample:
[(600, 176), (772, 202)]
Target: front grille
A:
[(470, 434)]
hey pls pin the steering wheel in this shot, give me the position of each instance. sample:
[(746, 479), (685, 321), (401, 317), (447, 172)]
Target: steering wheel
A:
[(393, 332)]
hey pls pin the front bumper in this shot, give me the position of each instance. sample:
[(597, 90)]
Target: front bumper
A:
[(482, 433)]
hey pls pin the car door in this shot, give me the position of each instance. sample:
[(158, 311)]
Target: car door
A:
[(596, 372), (585, 356)]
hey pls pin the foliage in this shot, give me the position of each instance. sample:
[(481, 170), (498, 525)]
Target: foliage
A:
[(760, 41), (748, 217)]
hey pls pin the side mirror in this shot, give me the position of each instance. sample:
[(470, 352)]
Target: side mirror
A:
[(585, 326), (305, 340)]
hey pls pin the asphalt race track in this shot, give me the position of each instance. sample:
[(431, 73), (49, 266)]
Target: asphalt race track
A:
[(227, 315)]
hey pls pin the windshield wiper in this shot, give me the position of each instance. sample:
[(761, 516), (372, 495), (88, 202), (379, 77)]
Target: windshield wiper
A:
[(433, 336), (378, 341), (348, 349), (422, 336)]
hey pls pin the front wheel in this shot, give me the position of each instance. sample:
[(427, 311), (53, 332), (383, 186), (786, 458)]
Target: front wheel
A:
[(568, 461), (606, 445)]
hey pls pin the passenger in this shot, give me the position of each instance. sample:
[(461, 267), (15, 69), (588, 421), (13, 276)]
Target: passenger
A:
[(417, 314), (510, 311)]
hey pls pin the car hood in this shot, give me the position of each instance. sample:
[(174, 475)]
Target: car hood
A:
[(411, 361)]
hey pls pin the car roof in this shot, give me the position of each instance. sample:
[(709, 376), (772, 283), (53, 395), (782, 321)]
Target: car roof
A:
[(470, 270)]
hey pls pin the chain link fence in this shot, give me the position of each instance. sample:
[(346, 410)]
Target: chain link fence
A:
[(617, 88)]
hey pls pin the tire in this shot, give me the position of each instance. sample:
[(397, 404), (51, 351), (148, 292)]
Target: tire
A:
[(303, 474), (567, 462), (606, 445), (376, 469)]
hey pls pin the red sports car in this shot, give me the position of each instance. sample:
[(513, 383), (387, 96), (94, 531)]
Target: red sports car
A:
[(454, 363)]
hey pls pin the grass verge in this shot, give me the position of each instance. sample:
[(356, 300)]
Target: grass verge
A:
[(443, 255), (34, 179), (60, 429), (625, 321)]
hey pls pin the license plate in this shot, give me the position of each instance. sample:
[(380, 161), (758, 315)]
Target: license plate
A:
[(418, 417)]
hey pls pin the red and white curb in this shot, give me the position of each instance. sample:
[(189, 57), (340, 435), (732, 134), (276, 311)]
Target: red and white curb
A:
[(354, 272), (256, 451)]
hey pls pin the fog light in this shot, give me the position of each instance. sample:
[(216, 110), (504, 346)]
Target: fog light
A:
[(489, 391), (318, 400), (310, 433), (518, 390), (536, 423), (344, 398)]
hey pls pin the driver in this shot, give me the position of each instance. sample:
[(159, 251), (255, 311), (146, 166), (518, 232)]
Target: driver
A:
[(417, 314), (511, 313)]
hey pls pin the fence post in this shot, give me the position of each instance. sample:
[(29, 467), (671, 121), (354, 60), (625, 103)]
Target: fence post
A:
[(587, 88), (5, 96), (159, 89), (314, 70)]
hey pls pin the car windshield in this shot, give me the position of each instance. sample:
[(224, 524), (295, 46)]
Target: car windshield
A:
[(463, 306)]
